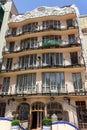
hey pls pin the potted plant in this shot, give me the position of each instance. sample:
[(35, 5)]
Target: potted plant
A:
[(46, 123), (15, 124)]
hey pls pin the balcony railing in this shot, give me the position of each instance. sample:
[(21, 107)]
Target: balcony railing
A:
[(42, 67), (83, 125), (48, 46), (45, 92), (38, 29)]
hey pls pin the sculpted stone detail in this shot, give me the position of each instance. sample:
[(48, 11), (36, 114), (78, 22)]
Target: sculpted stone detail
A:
[(44, 11)]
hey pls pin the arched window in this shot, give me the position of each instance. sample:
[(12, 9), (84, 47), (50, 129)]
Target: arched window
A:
[(55, 108), (23, 111)]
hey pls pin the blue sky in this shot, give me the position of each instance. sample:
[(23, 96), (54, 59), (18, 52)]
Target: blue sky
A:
[(27, 5)]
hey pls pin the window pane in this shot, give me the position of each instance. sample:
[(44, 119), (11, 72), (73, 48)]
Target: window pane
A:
[(6, 82), (23, 111), (77, 81)]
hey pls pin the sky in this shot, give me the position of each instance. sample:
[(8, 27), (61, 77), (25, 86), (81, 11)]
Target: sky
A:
[(24, 6)]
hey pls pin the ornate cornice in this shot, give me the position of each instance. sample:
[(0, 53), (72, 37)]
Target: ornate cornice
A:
[(44, 11)]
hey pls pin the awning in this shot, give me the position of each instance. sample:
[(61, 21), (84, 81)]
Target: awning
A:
[(51, 42)]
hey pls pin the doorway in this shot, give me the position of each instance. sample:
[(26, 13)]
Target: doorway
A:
[(37, 115), (34, 120)]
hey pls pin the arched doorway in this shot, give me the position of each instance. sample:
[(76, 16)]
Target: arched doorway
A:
[(55, 108), (37, 115)]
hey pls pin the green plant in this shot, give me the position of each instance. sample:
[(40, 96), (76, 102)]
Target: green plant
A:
[(15, 122), (47, 121)]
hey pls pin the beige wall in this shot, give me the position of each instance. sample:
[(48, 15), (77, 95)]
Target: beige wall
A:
[(7, 7), (5, 125), (62, 127)]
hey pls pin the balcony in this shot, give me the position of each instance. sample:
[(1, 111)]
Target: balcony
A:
[(43, 68), (41, 32), (46, 92), (49, 47)]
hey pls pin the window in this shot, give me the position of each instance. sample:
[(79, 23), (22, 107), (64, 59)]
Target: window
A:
[(52, 59), (74, 58), (6, 83), (26, 83), (2, 109), (11, 46), (29, 43), (27, 61), (81, 113), (69, 23), (55, 108), (51, 24), (23, 111), (30, 27), (59, 58), (53, 81), (77, 81), (14, 31), (9, 64), (71, 38)]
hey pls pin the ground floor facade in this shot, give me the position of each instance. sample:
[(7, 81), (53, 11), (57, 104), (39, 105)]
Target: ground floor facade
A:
[(30, 110)]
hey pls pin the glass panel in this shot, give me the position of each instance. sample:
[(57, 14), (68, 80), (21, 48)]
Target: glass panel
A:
[(69, 23), (9, 63), (23, 111), (53, 108), (53, 80), (71, 38), (6, 82), (11, 46), (77, 81), (26, 82)]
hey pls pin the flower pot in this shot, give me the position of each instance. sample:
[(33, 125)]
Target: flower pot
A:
[(46, 128), (15, 127)]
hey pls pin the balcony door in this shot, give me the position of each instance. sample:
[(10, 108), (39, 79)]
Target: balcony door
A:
[(74, 58)]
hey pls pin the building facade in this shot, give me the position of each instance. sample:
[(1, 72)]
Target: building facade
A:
[(7, 9), (43, 69)]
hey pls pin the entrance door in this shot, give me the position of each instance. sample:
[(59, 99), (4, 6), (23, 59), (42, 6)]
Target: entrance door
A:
[(37, 115), (37, 119), (34, 120)]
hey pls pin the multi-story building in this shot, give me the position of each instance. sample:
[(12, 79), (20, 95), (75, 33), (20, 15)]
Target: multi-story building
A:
[(7, 8), (43, 69), (83, 26)]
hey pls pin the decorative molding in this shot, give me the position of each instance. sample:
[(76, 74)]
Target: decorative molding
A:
[(44, 11)]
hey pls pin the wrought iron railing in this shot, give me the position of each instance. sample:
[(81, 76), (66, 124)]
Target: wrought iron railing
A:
[(53, 66), (38, 29), (46, 92), (74, 44)]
